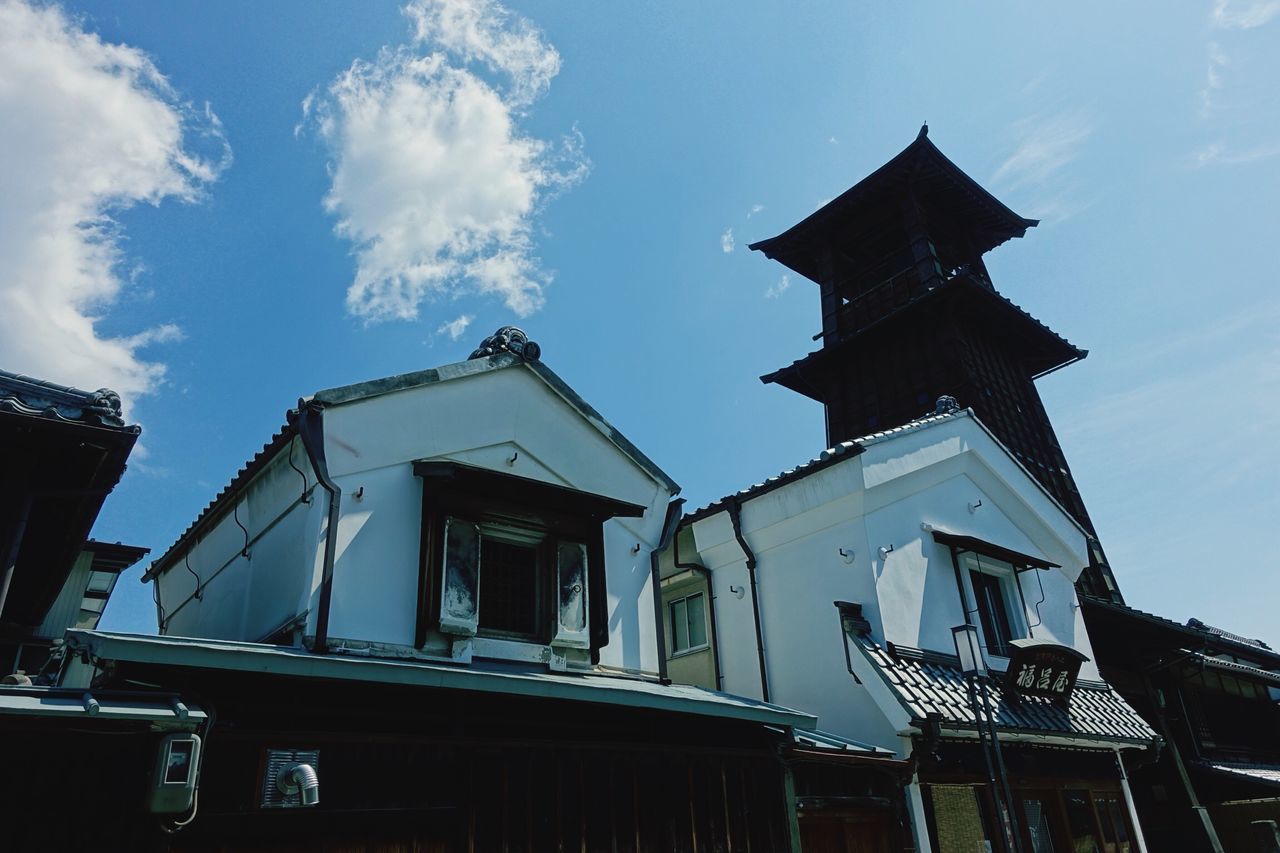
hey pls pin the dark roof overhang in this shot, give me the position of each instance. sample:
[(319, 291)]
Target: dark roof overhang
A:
[(62, 451), (937, 183), (1020, 561), (1041, 349), (114, 556), (485, 483), (1137, 637)]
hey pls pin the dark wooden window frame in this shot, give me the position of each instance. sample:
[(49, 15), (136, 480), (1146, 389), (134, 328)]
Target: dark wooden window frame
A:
[(484, 496)]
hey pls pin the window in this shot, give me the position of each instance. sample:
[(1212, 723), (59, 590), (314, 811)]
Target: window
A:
[(688, 624), (512, 558), (497, 578), (997, 600)]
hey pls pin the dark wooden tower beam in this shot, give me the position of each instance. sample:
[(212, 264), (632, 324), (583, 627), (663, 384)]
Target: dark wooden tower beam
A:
[(909, 313)]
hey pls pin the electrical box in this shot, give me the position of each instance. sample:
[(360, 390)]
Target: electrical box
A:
[(173, 783)]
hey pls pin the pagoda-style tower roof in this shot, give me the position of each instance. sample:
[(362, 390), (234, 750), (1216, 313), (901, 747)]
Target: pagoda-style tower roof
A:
[(1041, 349), (909, 314), (963, 216)]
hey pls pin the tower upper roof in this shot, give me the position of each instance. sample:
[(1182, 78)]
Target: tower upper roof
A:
[(958, 208)]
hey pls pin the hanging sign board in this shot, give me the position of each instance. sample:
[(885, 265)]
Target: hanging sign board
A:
[(1038, 668)]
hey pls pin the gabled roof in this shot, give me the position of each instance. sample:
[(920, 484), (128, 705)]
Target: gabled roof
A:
[(487, 364), (929, 683), (831, 456), (935, 181), (849, 449), (344, 394)]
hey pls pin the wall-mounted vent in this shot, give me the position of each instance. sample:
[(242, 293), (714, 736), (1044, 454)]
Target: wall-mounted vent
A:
[(281, 761)]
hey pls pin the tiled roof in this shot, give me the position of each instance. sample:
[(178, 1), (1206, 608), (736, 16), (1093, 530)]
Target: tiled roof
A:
[(1218, 640), (1000, 301), (832, 455), (24, 395), (1226, 635), (218, 507), (1267, 773), (928, 683)]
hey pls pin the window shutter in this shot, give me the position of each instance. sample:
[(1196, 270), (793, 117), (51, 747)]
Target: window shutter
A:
[(460, 599), (571, 596)]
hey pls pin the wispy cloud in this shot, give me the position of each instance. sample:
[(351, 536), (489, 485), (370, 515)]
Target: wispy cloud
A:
[(778, 289), (433, 180), (455, 328), (755, 208), (1218, 154), (726, 241), (1218, 60), (1045, 147), (1245, 15), (88, 129)]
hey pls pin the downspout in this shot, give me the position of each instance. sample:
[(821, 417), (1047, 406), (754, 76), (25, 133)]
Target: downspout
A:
[(735, 516), (307, 419), (711, 604), (659, 627), (1129, 804)]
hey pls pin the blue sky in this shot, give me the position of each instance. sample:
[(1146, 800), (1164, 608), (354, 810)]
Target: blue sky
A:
[(218, 208)]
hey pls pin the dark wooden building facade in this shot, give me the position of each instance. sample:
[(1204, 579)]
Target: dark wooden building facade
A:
[(910, 314)]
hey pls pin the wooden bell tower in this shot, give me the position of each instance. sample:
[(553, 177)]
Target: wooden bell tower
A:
[(909, 314)]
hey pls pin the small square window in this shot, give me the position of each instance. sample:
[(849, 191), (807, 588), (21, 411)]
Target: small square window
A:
[(688, 624)]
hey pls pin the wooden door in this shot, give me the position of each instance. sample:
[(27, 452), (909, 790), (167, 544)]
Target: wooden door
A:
[(870, 832)]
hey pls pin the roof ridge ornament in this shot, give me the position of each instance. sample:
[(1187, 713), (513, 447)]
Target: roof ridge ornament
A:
[(946, 405), (508, 339)]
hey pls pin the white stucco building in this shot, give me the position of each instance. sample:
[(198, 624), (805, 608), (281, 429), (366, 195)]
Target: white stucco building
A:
[(835, 587), (482, 509)]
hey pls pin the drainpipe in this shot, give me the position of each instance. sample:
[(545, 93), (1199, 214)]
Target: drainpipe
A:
[(711, 605), (659, 626), (1128, 802), (735, 516), (307, 419)]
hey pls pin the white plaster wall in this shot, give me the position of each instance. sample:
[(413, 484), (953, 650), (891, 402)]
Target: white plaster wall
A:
[(483, 420), (880, 498), (244, 598)]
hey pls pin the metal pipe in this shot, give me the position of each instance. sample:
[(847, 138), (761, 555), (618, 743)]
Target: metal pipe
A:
[(659, 626), (1128, 802), (308, 420), (735, 516), (986, 755), (18, 531), (1010, 816), (711, 604)]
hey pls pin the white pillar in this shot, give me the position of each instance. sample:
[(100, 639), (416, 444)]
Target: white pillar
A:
[(915, 807)]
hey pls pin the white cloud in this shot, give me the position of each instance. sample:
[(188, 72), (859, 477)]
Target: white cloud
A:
[(726, 241), (1045, 146), (778, 289), (454, 328), (1218, 60), (755, 208), (88, 128), (1218, 154), (433, 180), (1228, 15), (833, 141)]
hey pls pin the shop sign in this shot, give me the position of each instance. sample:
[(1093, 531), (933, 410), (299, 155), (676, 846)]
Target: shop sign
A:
[(1038, 668)]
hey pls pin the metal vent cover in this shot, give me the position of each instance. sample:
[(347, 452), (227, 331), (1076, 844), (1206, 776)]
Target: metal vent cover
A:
[(278, 760)]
